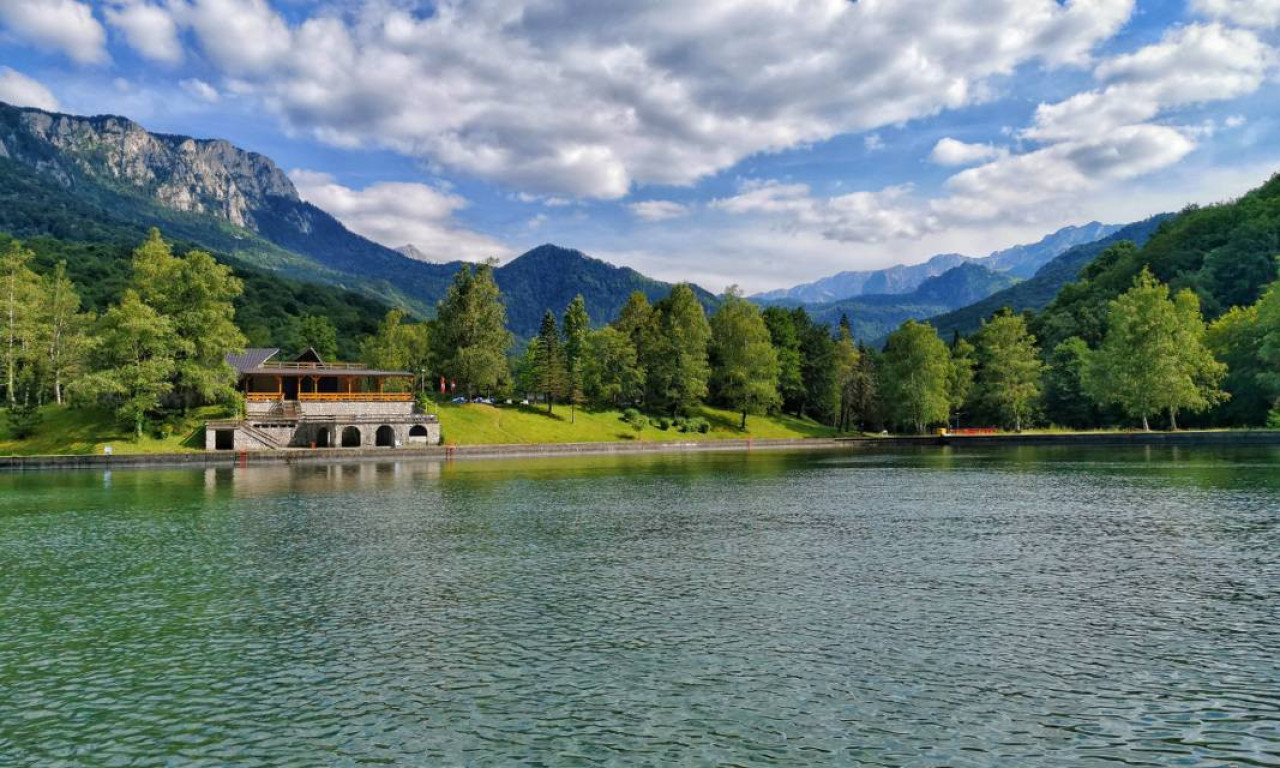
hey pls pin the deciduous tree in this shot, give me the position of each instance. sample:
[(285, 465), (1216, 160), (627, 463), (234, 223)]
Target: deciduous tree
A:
[(1009, 368), (1154, 357), (914, 376), (744, 364), (472, 339)]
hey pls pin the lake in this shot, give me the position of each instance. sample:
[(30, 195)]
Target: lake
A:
[(995, 607)]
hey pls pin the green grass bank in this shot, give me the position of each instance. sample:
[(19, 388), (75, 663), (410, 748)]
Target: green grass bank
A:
[(83, 431)]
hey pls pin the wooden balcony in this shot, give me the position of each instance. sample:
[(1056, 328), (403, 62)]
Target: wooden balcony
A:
[(355, 397), (333, 397)]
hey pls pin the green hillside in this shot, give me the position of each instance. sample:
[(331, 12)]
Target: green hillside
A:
[(268, 311), (1225, 253)]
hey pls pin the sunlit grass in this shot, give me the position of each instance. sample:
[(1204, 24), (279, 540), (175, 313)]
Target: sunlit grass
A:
[(65, 430), (477, 424)]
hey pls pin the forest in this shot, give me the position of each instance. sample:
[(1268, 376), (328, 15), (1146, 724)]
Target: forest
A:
[(1181, 332)]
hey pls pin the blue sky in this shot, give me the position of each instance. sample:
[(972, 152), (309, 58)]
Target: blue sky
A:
[(757, 142)]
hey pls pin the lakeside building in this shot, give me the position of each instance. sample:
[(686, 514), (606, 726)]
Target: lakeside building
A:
[(309, 403)]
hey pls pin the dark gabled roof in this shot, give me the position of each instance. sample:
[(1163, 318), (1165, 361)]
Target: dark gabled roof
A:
[(251, 358), (310, 356)]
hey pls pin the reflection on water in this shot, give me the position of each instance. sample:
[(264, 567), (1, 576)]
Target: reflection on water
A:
[(1025, 607)]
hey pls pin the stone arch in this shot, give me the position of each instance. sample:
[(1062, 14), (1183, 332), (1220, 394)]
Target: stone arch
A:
[(351, 437), (324, 438), (385, 437), (418, 434)]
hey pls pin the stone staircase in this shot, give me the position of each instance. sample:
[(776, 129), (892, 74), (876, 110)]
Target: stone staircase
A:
[(266, 438)]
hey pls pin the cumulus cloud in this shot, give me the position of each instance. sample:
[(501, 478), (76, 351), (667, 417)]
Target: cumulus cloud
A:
[(1190, 65), (201, 90), (149, 29), (586, 99), (1261, 14), (1088, 142), (857, 217), (399, 213), (21, 91), (658, 210), (952, 152), (66, 26), (243, 37)]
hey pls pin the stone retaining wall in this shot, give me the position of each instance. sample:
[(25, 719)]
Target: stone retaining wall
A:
[(340, 455)]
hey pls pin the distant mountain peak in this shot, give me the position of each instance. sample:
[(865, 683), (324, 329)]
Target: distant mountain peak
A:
[(412, 251), (1019, 261)]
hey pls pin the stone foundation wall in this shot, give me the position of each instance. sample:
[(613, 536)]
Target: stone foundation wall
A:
[(310, 434), (340, 409)]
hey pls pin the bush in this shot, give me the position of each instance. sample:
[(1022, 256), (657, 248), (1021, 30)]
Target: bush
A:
[(695, 424), (23, 418), (1273, 418), (664, 423), (631, 415)]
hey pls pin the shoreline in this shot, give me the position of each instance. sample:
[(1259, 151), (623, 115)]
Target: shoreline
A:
[(529, 450)]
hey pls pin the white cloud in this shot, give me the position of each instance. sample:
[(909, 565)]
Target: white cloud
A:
[(399, 213), (1022, 186), (21, 91), (201, 90), (1090, 142), (149, 29), (952, 152), (1190, 65), (873, 142), (243, 37), (1261, 14), (658, 210), (59, 25), (583, 98), (857, 217)]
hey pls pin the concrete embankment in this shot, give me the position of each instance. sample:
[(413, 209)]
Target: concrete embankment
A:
[(447, 453)]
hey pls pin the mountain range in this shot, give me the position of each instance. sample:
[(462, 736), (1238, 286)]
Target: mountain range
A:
[(1018, 261), (108, 179)]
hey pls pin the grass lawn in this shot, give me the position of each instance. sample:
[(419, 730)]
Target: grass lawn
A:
[(486, 424), (87, 430)]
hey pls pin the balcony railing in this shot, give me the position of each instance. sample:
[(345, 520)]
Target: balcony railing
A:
[(355, 397), (269, 367), (333, 397)]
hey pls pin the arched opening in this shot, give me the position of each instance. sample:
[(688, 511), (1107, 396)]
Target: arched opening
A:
[(418, 434), (385, 437), (324, 438), (351, 437)]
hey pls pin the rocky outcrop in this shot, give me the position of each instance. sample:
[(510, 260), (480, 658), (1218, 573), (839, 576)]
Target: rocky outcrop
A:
[(181, 173)]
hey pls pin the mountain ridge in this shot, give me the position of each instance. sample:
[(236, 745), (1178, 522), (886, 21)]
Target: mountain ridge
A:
[(1019, 260), (109, 174)]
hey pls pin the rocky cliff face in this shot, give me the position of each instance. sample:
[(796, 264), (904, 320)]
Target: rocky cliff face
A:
[(180, 173)]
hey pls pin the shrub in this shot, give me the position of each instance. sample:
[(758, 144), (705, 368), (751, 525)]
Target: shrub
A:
[(1273, 418), (23, 418), (631, 415), (664, 423)]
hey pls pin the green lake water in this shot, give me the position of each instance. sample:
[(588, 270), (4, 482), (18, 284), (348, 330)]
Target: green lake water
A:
[(1018, 607)]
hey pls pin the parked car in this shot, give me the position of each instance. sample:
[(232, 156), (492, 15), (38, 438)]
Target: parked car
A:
[(483, 401), (458, 400), (524, 401)]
